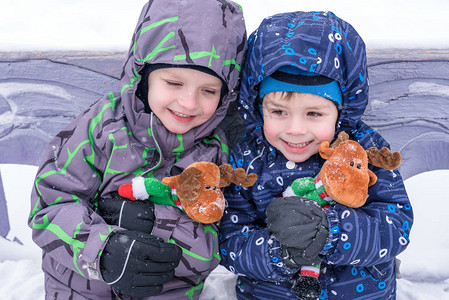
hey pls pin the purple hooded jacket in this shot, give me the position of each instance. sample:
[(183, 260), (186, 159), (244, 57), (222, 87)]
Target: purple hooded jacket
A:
[(115, 140)]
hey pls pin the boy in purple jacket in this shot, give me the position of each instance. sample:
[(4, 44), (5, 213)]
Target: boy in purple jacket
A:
[(179, 78)]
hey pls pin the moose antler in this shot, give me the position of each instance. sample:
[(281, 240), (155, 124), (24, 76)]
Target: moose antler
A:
[(327, 150), (383, 158), (342, 136), (238, 176)]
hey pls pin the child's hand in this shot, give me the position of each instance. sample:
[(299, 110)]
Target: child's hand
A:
[(137, 264), (131, 215), (301, 227)]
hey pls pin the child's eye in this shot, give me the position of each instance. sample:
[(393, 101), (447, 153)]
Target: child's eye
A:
[(278, 112), (212, 92), (314, 114), (172, 83)]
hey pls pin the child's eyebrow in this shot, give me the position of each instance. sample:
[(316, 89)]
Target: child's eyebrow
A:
[(277, 103), (320, 106), (175, 76), (167, 72)]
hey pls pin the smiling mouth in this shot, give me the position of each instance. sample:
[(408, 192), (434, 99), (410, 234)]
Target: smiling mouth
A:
[(298, 145), (180, 114)]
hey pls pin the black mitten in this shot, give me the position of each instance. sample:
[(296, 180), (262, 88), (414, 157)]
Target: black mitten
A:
[(137, 264), (301, 227), (128, 214)]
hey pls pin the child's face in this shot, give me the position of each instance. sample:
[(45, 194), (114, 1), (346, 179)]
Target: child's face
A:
[(296, 126), (183, 98)]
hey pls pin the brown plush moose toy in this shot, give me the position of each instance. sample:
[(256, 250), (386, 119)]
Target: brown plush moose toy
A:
[(197, 190), (343, 178)]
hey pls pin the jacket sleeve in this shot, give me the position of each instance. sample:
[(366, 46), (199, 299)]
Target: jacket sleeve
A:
[(247, 246), (62, 218), (374, 233)]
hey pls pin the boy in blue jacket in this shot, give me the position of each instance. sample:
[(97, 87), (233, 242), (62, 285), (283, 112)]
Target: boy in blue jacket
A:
[(304, 81)]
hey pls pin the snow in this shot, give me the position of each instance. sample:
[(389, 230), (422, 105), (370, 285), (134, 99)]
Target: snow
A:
[(428, 88), (108, 25), (424, 265)]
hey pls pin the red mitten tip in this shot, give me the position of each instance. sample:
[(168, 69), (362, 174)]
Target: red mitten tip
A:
[(126, 190)]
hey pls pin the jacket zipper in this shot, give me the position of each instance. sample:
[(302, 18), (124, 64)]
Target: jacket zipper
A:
[(157, 147)]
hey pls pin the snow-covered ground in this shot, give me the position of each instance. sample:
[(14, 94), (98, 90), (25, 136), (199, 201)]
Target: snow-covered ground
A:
[(424, 267)]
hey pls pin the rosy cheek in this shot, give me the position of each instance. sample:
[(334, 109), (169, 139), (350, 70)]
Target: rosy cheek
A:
[(269, 133)]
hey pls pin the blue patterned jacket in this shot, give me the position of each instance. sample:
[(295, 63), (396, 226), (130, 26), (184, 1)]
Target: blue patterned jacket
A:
[(359, 257)]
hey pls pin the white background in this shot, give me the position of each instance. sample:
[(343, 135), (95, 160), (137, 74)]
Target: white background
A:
[(108, 25)]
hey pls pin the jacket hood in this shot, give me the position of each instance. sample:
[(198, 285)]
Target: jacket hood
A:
[(205, 33), (317, 42)]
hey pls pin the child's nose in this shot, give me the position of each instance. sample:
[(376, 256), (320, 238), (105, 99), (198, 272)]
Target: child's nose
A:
[(189, 99), (296, 126)]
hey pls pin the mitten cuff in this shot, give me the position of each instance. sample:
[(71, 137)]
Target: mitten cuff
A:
[(93, 268), (288, 259), (334, 231), (276, 255)]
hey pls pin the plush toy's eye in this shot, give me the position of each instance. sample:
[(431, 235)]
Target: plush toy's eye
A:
[(207, 187), (359, 166), (214, 188), (351, 163)]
